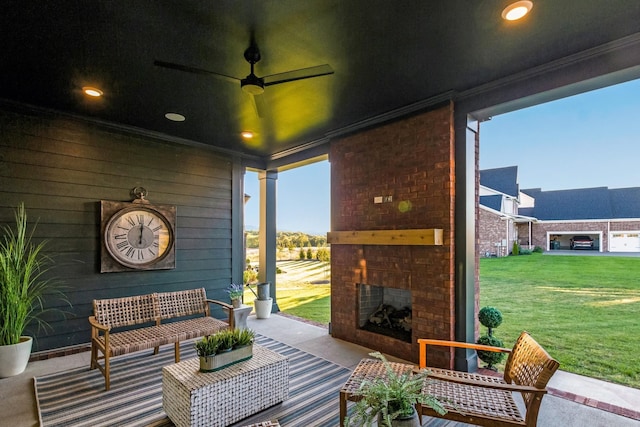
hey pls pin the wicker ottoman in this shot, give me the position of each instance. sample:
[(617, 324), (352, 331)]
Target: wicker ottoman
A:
[(221, 398)]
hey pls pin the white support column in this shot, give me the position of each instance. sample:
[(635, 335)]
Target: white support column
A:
[(267, 235)]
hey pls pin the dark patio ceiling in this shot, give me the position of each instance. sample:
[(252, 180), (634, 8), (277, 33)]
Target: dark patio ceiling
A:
[(385, 54)]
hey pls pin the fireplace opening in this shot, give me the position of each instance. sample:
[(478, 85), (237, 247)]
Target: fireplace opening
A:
[(384, 310)]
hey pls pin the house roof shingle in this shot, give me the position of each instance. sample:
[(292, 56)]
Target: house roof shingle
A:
[(584, 203), (493, 202), (574, 204), (504, 180)]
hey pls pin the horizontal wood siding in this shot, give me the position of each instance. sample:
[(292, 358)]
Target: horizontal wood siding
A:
[(61, 168)]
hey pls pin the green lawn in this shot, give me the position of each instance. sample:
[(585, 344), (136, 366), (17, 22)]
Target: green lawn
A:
[(584, 310), (303, 290)]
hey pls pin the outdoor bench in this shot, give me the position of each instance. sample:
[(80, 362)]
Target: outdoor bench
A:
[(142, 316), (487, 400)]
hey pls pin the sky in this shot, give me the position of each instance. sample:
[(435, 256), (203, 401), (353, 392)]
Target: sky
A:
[(584, 141), (303, 199), (588, 140)]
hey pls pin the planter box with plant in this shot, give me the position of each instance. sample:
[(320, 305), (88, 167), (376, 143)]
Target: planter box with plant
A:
[(391, 399), (23, 289), (224, 348)]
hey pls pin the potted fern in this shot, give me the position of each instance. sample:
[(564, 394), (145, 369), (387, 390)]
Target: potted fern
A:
[(391, 399), (23, 288)]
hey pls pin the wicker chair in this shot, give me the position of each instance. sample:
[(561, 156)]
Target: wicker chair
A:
[(487, 400)]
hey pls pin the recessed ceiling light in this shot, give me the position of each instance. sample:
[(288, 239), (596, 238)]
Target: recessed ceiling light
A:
[(247, 134), (517, 10), (92, 91), (175, 117)]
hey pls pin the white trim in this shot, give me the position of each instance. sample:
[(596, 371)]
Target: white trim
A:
[(504, 215), (573, 221)]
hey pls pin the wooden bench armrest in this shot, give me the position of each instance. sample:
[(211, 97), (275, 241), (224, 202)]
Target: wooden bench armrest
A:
[(424, 342), (94, 324), (485, 384), (220, 303), (229, 307)]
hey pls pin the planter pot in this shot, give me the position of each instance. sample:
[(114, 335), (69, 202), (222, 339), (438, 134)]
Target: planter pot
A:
[(263, 308), (14, 358), (411, 421), (236, 302), (222, 360)]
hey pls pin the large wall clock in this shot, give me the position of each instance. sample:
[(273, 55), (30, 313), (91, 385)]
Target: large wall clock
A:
[(137, 235)]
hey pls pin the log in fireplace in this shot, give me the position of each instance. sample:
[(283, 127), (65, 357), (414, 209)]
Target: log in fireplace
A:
[(385, 310)]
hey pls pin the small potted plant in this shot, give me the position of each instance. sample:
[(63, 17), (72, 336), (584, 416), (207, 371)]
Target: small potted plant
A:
[(391, 399), (235, 294)]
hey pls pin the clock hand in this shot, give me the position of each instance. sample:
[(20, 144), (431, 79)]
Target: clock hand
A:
[(141, 230)]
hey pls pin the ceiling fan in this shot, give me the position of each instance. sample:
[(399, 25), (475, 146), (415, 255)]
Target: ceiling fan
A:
[(252, 84)]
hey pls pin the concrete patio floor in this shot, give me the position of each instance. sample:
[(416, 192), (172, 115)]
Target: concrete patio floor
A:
[(573, 400)]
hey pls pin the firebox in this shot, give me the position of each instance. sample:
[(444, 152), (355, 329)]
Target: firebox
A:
[(385, 310)]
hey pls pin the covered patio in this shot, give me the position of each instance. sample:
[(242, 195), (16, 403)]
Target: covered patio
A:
[(398, 115), (573, 400)]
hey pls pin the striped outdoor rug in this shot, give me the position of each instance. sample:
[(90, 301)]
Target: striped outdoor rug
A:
[(77, 397)]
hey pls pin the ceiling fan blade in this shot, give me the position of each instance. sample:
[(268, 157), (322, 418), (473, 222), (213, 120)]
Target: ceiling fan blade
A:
[(303, 73), (260, 105), (194, 70)]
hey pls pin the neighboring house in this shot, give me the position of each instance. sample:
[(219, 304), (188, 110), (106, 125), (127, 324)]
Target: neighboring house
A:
[(499, 216), (550, 219)]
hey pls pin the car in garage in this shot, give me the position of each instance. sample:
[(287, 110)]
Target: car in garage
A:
[(581, 242)]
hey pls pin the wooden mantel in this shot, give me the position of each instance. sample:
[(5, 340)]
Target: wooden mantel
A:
[(426, 236)]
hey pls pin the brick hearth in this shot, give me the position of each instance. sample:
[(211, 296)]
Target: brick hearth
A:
[(411, 160)]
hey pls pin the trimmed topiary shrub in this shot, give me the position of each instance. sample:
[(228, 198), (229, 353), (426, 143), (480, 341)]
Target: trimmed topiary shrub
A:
[(491, 358), (491, 318)]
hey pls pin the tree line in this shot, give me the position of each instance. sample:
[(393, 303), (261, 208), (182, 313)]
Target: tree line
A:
[(290, 240)]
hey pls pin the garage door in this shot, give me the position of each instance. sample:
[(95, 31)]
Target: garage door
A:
[(625, 242)]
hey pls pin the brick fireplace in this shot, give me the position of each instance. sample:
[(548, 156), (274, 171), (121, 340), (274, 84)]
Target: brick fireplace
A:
[(390, 187)]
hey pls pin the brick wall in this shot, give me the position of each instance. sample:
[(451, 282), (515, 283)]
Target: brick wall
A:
[(412, 161), (491, 230)]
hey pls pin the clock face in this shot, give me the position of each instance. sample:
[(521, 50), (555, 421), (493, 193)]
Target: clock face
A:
[(138, 236)]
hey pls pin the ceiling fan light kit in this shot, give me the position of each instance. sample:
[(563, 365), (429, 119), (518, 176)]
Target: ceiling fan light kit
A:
[(252, 85)]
